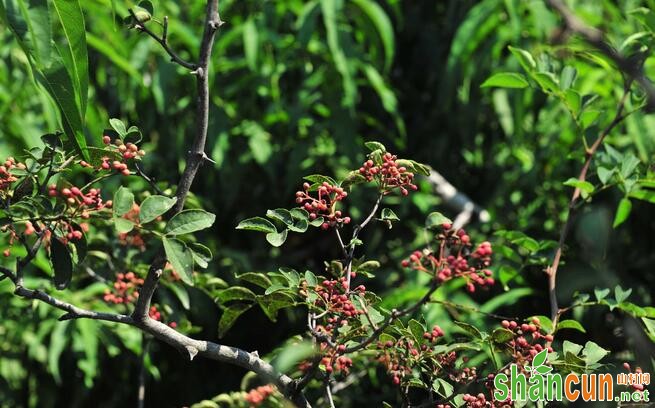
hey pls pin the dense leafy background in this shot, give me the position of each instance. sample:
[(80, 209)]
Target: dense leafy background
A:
[(297, 87)]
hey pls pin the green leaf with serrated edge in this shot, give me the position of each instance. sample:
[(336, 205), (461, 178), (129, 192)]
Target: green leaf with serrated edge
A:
[(273, 302), (540, 358), (230, 316), (235, 293), (299, 226), (593, 353), (620, 294), (317, 222), (353, 178), (311, 278), (256, 278), (299, 213), (281, 214), (545, 323), (604, 175), (188, 221), (436, 220), (570, 324), (123, 201), (601, 293), (123, 225), (373, 146), (622, 212), (469, 329), (257, 224), (502, 335), (506, 80), (154, 206), (320, 179), (180, 258), (118, 126), (388, 215), (569, 347), (277, 238), (417, 329), (202, 255), (62, 263), (442, 387)]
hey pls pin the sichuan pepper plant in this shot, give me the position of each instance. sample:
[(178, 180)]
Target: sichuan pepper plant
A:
[(62, 194)]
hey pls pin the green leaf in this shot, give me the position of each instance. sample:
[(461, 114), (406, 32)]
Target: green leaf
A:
[(573, 101), (435, 220), (180, 293), (71, 18), (545, 323), (601, 293), (180, 258), (502, 335), (281, 214), (569, 347), (201, 254), (154, 206), (585, 187), (353, 178), (31, 26), (622, 212), (299, 226), (123, 225), (628, 165), (320, 179), (277, 238), (540, 358), (592, 352), (604, 175), (311, 278), (62, 263), (235, 293), (389, 215), (524, 57), (570, 324), (373, 146), (620, 294), (273, 302), (123, 201), (188, 221), (255, 278), (257, 224), (567, 77), (230, 316), (469, 329), (118, 126), (331, 10), (506, 80), (383, 27), (251, 43), (547, 82), (442, 387)]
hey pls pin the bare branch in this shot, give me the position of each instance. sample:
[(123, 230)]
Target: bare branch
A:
[(163, 41), (551, 270)]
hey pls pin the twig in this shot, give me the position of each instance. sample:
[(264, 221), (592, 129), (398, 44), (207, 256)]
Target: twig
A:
[(551, 270), (148, 179), (163, 41), (633, 69)]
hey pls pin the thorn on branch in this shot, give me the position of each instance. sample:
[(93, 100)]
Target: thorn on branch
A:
[(192, 352)]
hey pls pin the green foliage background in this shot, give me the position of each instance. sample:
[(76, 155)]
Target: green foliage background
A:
[(297, 87)]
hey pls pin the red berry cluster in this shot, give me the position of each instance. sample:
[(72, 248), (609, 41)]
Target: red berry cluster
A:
[(389, 175), (459, 263), (132, 238), (127, 151), (338, 310), (6, 176), (324, 205), (401, 357), (258, 395), (125, 289), (13, 235), (525, 344), (635, 386)]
